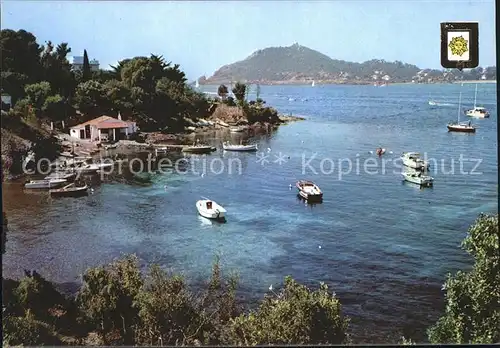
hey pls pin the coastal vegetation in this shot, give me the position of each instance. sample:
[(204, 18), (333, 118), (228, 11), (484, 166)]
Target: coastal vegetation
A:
[(297, 64), (118, 304), (45, 89)]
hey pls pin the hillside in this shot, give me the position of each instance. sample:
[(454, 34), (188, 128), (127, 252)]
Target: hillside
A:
[(299, 64)]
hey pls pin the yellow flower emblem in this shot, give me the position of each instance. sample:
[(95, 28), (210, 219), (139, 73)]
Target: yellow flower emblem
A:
[(458, 46)]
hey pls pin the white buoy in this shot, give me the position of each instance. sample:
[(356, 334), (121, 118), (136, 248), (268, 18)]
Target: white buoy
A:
[(390, 152), (202, 175), (319, 246), (371, 152), (268, 149), (290, 186)]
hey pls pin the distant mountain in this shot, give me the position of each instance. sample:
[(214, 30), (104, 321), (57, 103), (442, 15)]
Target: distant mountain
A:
[(299, 64)]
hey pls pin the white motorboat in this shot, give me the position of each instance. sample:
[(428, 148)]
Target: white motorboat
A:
[(230, 147), (88, 169), (110, 146), (413, 160), (309, 190), (210, 209), (418, 178), (432, 103), (464, 127), (60, 175), (477, 111), (236, 129), (45, 184)]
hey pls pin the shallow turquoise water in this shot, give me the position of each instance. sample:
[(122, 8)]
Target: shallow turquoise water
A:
[(385, 245)]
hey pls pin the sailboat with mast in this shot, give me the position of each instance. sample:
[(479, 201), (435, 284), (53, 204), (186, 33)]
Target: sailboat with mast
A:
[(477, 111), (312, 84), (464, 127), (197, 84)]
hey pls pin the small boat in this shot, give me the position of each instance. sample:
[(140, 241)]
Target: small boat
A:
[(111, 146), (210, 209), (67, 154), (413, 160), (229, 147), (380, 151), (312, 84), (477, 111), (70, 191), (432, 103), (464, 127), (418, 178), (198, 149), (104, 165), (60, 175), (236, 129), (45, 184), (88, 169), (309, 190)]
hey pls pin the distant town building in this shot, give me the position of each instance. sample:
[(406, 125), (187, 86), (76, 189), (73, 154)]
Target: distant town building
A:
[(6, 101), (386, 77), (77, 63)]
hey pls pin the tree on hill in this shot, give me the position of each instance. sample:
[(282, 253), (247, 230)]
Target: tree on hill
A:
[(472, 312), (222, 91)]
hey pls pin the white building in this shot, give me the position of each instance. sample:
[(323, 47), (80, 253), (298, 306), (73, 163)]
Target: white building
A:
[(104, 128), (386, 77), (77, 63)]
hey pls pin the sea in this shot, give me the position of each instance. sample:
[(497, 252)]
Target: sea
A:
[(384, 246)]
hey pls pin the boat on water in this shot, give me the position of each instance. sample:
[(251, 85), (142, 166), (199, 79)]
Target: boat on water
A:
[(463, 127), (70, 190), (413, 160), (88, 169), (230, 147), (68, 176), (380, 151), (210, 209), (237, 129), (477, 111), (418, 178), (312, 84), (432, 103), (198, 149), (45, 184), (110, 146), (309, 190)]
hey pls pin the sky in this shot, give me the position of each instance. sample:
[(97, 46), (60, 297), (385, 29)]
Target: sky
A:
[(202, 36)]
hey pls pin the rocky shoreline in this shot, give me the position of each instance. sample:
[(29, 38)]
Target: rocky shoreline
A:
[(151, 140)]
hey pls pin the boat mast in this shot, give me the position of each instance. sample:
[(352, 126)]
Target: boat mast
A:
[(459, 102), (475, 97)]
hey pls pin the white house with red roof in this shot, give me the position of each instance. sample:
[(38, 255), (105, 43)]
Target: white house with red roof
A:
[(104, 128)]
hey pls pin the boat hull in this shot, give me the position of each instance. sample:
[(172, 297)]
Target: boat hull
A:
[(461, 129), (204, 149), (45, 184), (240, 147), (72, 192), (419, 180)]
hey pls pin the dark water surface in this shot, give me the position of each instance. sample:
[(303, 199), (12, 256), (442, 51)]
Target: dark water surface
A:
[(382, 245)]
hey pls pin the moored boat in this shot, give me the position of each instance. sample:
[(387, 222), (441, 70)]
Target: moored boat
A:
[(418, 178), (198, 149), (61, 175), (464, 127), (309, 190), (88, 169), (230, 147), (70, 190), (477, 111), (45, 184), (236, 129), (210, 209), (413, 160)]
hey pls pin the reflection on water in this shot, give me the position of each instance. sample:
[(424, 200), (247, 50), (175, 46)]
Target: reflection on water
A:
[(381, 239)]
